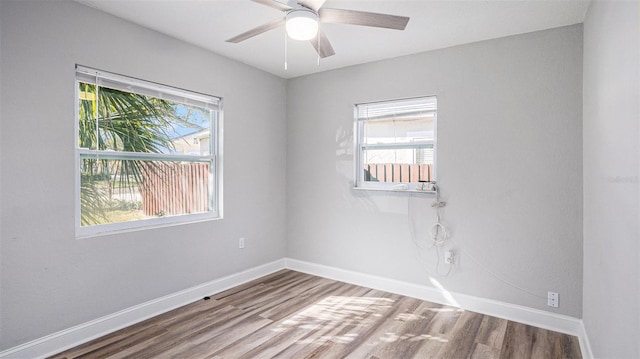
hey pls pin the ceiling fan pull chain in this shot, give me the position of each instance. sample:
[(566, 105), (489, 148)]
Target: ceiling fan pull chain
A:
[(285, 50)]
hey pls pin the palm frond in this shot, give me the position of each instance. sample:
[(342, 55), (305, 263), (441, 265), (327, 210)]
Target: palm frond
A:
[(120, 121)]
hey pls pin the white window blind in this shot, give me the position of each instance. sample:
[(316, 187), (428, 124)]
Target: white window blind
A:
[(398, 109), (146, 88)]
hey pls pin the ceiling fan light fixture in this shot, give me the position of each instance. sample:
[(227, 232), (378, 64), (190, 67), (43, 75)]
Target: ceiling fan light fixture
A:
[(302, 24)]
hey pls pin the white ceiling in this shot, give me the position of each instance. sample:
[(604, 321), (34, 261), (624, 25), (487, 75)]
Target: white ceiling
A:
[(433, 25)]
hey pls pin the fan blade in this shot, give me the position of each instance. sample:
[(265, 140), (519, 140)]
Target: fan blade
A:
[(314, 5), (322, 45), (257, 31), (363, 18), (274, 4)]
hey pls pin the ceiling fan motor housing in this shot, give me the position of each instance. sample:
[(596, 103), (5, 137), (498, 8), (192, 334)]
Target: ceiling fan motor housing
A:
[(302, 24)]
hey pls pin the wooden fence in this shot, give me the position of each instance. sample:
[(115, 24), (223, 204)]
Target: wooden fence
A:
[(182, 188), (395, 172), (175, 188)]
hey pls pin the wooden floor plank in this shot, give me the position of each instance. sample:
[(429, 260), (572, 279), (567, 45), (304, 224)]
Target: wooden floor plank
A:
[(463, 336), (206, 326), (482, 351), (492, 332), (293, 304), (518, 341), (407, 338), (288, 314), (211, 344), (347, 329), (379, 338)]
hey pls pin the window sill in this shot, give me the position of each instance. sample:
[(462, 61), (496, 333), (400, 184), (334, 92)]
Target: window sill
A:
[(393, 190), (106, 230)]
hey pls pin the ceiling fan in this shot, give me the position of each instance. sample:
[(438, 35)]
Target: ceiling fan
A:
[(302, 17)]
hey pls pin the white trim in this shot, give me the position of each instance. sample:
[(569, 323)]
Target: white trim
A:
[(176, 95), (539, 318), (71, 337), (386, 110), (99, 230), (144, 156), (399, 189), (585, 345)]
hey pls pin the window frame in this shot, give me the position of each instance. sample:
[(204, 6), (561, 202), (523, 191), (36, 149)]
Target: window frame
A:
[(83, 74), (359, 149)]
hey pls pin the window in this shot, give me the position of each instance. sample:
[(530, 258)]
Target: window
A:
[(395, 144), (147, 154)]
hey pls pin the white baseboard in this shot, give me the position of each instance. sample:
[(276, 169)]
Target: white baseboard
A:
[(68, 338), (71, 337), (517, 313), (585, 346)]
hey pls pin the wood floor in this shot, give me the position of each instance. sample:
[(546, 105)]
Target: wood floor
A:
[(294, 315)]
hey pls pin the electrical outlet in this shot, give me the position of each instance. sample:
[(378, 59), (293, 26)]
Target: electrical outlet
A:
[(553, 299), (241, 243), (448, 256)]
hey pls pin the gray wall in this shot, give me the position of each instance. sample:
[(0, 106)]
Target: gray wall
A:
[(611, 305), (50, 280), (509, 166)]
